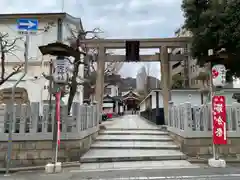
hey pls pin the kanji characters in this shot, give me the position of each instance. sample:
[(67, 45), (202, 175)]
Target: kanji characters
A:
[(219, 132), (218, 120), (218, 108)]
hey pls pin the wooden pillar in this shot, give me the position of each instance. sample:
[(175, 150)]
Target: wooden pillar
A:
[(99, 90), (165, 80)]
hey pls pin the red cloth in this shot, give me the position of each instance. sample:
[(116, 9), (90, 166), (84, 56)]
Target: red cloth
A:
[(109, 115)]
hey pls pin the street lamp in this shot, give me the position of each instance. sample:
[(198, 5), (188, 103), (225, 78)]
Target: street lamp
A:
[(60, 78)]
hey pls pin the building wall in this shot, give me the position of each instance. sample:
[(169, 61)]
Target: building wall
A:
[(178, 97), (35, 84), (112, 90), (149, 110), (182, 96), (194, 69), (141, 79)]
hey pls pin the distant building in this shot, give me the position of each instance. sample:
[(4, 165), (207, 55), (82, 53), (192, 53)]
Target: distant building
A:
[(193, 69), (111, 90), (141, 79), (34, 87)]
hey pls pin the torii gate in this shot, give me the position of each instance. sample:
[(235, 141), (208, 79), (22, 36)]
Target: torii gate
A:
[(162, 43)]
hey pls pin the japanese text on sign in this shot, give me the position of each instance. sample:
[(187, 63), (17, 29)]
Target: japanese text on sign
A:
[(219, 120), (60, 71)]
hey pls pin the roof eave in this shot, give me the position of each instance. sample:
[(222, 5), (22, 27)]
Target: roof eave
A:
[(32, 15)]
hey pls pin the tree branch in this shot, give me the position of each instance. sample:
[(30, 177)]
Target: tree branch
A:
[(16, 70), (7, 46)]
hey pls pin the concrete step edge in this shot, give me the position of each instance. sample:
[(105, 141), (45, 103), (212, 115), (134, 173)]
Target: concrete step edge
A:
[(136, 158), (137, 148), (111, 133), (131, 129), (140, 140)]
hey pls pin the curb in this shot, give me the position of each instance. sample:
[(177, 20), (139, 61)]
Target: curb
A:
[(36, 168), (205, 161)]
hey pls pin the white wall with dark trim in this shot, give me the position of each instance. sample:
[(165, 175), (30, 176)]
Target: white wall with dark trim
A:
[(185, 95)]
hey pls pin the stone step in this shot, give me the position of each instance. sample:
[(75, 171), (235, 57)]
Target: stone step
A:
[(133, 129), (173, 164), (133, 138), (116, 155), (133, 145), (132, 132)]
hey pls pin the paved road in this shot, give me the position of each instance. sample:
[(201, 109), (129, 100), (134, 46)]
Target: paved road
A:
[(169, 174)]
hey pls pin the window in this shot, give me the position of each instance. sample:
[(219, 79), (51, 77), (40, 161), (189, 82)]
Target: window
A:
[(192, 81)]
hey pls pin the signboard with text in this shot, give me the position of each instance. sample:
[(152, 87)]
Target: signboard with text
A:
[(60, 71), (219, 120)]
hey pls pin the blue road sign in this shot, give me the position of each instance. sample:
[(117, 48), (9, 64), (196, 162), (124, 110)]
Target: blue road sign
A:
[(27, 24)]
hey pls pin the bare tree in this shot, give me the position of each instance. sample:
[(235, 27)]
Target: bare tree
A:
[(8, 46), (89, 63)]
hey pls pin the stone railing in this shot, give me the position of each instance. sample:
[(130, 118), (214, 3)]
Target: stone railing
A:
[(189, 121), (30, 125)]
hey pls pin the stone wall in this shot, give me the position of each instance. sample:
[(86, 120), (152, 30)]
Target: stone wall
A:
[(34, 153), (197, 147)]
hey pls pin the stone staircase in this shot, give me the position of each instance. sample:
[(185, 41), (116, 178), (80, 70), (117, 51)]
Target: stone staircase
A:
[(117, 148)]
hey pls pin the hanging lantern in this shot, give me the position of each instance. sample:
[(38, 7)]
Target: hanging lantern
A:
[(219, 75)]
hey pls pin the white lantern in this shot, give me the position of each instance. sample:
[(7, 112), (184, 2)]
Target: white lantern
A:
[(219, 75), (61, 71)]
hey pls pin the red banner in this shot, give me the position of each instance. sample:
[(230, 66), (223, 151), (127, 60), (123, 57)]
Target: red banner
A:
[(219, 120), (58, 98)]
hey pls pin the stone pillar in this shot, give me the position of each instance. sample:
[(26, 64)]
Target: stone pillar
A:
[(100, 79), (165, 80)]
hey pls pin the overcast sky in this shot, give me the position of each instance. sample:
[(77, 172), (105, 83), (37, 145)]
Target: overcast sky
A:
[(117, 18)]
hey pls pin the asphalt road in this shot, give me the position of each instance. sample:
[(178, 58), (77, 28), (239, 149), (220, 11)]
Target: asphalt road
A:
[(231, 173)]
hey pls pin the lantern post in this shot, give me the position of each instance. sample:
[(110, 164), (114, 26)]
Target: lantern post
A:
[(60, 77), (218, 111)]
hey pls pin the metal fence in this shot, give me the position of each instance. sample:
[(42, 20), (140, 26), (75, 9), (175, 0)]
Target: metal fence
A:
[(30, 125), (189, 120)]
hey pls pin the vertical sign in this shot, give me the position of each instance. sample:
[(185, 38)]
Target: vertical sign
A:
[(219, 120)]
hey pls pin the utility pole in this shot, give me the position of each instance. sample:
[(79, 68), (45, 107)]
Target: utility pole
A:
[(13, 113), (50, 101)]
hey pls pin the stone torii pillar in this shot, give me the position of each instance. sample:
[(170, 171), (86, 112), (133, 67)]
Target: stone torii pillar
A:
[(99, 90), (165, 80)]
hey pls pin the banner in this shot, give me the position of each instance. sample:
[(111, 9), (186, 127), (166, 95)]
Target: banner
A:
[(219, 120)]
